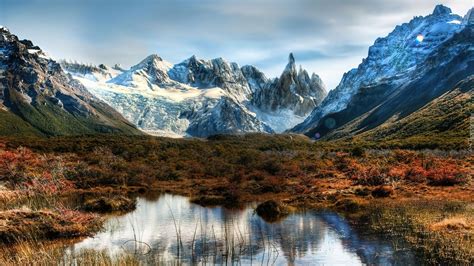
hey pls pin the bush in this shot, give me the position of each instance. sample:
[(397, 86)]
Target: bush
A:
[(447, 177), (358, 151), (416, 174), (382, 191), (371, 176)]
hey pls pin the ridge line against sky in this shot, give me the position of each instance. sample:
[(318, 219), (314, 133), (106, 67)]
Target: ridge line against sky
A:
[(327, 37)]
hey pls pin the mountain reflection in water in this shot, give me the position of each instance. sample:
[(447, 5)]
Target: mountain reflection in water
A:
[(171, 228)]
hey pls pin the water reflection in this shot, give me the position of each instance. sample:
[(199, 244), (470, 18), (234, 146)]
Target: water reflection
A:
[(171, 228)]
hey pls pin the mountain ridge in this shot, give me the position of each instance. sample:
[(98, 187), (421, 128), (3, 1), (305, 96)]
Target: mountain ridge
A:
[(40, 98), (167, 99), (440, 60)]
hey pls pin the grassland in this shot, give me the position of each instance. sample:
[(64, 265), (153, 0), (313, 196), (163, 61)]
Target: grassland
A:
[(421, 197)]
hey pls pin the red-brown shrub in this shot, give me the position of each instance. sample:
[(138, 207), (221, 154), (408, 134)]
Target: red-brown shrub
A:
[(447, 176), (417, 174)]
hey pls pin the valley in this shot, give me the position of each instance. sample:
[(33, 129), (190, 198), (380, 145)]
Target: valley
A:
[(206, 161)]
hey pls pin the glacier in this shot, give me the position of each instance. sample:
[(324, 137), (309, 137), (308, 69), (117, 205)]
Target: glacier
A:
[(199, 98)]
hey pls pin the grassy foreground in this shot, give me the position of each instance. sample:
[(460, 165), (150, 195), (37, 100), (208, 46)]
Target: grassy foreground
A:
[(421, 197)]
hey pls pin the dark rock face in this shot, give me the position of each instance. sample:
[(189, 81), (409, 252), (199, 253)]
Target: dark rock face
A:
[(441, 10), (34, 88), (226, 117), (255, 78), (294, 90), (213, 73)]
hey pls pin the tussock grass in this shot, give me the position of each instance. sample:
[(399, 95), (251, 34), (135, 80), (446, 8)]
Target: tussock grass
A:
[(109, 204), (442, 232), (23, 224), (40, 253)]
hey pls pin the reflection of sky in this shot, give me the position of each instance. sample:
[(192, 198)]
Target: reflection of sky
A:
[(309, 238), (327, 37)]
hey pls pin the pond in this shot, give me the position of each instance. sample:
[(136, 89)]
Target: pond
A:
[(171, 229)]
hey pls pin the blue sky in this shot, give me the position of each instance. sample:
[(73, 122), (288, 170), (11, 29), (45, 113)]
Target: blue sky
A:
[(328, 37)]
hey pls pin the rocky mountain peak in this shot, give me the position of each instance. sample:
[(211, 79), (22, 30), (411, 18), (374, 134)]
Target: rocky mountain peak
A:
[(293, 92), (291, 59), (118, 67), (390, 56), (152, 70), (469, 18), (36, 90), (441, 10), (291, 66), (152, 60)]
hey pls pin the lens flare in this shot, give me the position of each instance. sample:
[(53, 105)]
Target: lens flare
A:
[(420, 38)]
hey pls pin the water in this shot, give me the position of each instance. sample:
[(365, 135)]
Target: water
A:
[(171, 228)]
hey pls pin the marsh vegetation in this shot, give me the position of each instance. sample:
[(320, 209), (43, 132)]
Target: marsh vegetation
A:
[(65, 188)]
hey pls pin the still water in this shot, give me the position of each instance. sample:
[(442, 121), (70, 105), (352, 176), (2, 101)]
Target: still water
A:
[(171, 229)]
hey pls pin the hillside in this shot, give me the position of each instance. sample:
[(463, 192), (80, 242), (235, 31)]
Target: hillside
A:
[(400, 76), (445, 119), (38, 98)]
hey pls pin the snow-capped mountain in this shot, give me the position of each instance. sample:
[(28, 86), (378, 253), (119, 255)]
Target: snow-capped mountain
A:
[(414, 64), (293, 95), (392, 62), (203, 97), (37, 97)]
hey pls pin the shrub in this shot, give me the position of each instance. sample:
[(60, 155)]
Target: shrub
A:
[(416, 174), (358, 151), (271, 166), (371, 176), (447, 176), (382, 191)]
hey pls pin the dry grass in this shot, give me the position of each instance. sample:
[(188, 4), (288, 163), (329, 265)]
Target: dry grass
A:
[(23, 224), (104, 204), (393, 188), (442, 232), (452, 224), (34, 253)]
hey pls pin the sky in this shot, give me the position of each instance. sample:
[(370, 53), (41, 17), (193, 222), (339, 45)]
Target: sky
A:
[(328, 37)]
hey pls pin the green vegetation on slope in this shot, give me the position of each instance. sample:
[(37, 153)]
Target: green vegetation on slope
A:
[(45, 118), (443, 120)]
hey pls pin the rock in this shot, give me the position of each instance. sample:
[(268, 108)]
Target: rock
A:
[(441, 10), (271, 210)]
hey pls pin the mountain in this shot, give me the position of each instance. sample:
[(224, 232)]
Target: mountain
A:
[(416, 63), (203, 97), (38, 98), (447, 117), (294, 92)]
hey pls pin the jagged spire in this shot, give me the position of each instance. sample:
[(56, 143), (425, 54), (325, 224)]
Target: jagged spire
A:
[(291, 59), (291, 67), (441, 10)]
